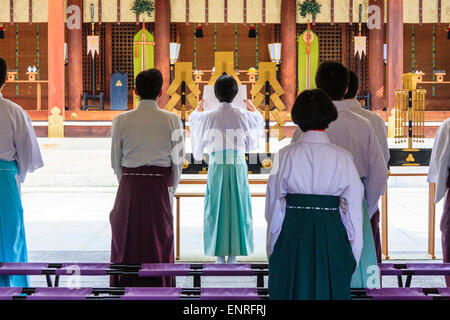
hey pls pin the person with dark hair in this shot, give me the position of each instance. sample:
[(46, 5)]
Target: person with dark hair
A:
[(439, 173), (147, 156), (19, 154), (226, 133), (380, 130), (313, 210), (356, 135)]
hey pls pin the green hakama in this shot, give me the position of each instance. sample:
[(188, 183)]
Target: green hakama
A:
[(228, 224), (312, 258)]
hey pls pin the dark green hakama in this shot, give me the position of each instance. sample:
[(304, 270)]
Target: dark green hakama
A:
[(312, 258)]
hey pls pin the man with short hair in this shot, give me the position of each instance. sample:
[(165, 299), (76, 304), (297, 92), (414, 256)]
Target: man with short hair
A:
[(355, 134), (19, 154), (147, 156), (380, 130)]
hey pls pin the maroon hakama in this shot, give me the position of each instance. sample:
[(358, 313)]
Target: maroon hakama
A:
[(445, 229), (375, 222), (142, 224)]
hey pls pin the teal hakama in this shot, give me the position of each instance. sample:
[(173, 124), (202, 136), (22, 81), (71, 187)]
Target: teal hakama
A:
[(228, 224), (13, 247), (367, 273), (312, 258)]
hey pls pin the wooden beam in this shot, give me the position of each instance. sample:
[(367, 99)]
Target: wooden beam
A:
[(75, 65), (56, 80), (376, 61), (395, 50), (162, 40), (289, 51)]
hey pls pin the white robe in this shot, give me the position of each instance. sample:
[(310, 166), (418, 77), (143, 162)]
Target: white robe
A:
[(355, 134), (148, 136), (377, 123), (315, 166), (225, 128), (440, 160), (18, 140)]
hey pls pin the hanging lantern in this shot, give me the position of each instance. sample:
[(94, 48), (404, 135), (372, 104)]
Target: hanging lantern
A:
[(2, 31), (252, 31), (199, 31)]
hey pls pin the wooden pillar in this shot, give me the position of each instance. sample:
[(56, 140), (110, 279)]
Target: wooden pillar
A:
[(289, 51), (162, 44), (56, 83), (75, 65), (376, 61), (394, 69), (108, 66)]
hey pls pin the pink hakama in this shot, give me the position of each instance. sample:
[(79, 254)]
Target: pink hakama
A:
[(142, 224)]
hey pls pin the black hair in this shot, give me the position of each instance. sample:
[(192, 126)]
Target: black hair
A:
[(353, 86), (226, 88), (313, 110), (332, 77), (3, 71), (149, 84)]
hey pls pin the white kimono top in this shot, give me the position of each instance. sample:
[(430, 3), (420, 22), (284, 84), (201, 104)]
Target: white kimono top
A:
[(440, 160), (377, 123), (315, 166), (355, 134), (225, 128), (148, 136), (18, 140)]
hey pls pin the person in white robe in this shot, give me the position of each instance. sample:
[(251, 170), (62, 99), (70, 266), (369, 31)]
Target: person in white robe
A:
[(19, 155), (226, 133), (147, 153), (380, 130), (313, 210), (438, 173), (355, 134)]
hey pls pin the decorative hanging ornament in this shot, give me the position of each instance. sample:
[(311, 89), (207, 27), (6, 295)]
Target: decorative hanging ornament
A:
[(360, 45), (199, 31), (252, 31), (93, 45), (2, 31), (448, 32)]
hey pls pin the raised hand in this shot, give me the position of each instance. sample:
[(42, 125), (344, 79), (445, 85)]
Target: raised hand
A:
[(201, 105), (250, 106)]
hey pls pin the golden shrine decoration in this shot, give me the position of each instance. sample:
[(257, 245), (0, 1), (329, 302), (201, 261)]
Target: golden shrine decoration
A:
[(223, 64), (183, 79), (409, 112), (267, 80), (56, 124)]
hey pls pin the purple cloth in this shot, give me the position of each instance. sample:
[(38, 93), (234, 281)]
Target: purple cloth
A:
[(229, 294), (227, 270), (142, 224), (164, 269), (9, 293), (429, 269), (151, 294), (398, 294), (60, 294), (445, 229), (388, 269), (84, 269), (28, 268), (375, 223), (444, 292)]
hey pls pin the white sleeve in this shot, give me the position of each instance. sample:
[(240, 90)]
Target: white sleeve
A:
[(439, 161), (116, 148), (382, 138), (196, 128), (297, 135), (178, 152), (29, 156), (275, 203), (375, 182), (353, 216), (255, 127)]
